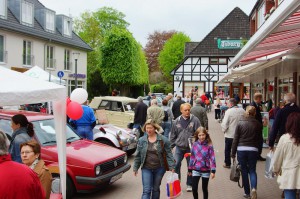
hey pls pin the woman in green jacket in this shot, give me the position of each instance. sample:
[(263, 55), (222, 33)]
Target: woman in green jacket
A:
[(151, 150)]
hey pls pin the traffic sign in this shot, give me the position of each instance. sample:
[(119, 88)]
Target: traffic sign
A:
[(60, 74)]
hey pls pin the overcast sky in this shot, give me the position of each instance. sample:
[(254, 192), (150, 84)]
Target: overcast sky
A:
[(196, 18)]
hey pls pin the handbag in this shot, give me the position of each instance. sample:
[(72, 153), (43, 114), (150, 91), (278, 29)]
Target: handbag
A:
[(173, 186), (235, 173), (269, 165), (164, 155)]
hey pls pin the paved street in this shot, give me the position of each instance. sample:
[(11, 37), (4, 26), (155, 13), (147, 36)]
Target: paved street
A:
[(221, 187)]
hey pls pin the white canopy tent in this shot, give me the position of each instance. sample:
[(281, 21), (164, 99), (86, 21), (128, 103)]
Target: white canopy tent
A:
[(39, 73), (17, 88)]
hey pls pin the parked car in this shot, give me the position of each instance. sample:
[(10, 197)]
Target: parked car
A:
[(147, 102), (119, 110), (124, 139), (90, 165)]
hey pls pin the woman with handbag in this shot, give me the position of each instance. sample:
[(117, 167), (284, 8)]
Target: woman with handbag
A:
[(154, 156), (246, 143), (287, 158)]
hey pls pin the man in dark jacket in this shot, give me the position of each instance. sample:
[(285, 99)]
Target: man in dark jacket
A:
[(200, 113), (257, 103), (176, 107), (140, 114), (281, 117)]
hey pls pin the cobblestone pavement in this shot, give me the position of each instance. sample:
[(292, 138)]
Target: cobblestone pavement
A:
[(130, 187)]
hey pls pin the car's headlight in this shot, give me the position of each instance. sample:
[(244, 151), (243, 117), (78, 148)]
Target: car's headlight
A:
[(125, 158), (98, 170)]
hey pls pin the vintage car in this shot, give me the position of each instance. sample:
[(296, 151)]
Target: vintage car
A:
[(124, 139), (90, 165), (118, 110)]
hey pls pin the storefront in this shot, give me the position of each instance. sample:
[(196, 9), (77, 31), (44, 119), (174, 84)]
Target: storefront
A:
[(271, 58)]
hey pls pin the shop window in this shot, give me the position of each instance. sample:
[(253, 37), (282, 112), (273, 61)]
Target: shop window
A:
[(71, 85), (221, 91)]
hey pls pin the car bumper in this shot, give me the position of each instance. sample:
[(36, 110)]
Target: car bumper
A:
[(95, 181)]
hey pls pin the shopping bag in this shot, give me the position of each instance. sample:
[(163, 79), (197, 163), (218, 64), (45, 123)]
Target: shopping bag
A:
[(173, 186), (269, 165)]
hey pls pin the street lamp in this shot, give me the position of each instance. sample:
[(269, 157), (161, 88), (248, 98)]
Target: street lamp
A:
[(76, 56)]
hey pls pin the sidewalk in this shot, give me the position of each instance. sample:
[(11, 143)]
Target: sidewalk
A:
[(221, 186)]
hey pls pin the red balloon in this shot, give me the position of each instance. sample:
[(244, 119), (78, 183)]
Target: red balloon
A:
[(68, 101), (74, 110)]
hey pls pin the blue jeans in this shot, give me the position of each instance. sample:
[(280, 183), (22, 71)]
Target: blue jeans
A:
[(179, 155), (228, 144), (85, 132), (247, 160), (151, 182), (290, 193), (166, 127)]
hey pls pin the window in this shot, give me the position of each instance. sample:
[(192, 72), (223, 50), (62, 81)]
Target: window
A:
[(3, 9), (261, 15), (50, 21), (50, 61), (67, 63), (67, 27), (27, 53), (71, 85), (216, 60), (27, 13), (2, 48)]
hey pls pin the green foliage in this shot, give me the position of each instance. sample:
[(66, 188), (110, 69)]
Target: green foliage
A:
[(163, 87), (172, 53), (122, 60), (92, 28)]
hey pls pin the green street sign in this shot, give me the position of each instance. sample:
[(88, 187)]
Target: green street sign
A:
[(230, 44)]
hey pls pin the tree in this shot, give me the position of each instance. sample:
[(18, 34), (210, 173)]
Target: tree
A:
[(154, 45), (122, 61), (92, 28), (172, 53)]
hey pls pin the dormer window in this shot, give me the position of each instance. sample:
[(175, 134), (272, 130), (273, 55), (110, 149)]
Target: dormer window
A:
[(3, 9), (67, 27), (50, 17), (261, 15), (27, 13)]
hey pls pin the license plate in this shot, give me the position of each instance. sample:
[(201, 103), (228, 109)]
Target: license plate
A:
[(115, 178)]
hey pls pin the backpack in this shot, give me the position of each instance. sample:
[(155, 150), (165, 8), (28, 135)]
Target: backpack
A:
[(166, 118)]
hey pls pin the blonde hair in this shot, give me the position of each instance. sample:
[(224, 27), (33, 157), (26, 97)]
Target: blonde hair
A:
[(202, 130), (250, 111), (185, 104), (150, 122)]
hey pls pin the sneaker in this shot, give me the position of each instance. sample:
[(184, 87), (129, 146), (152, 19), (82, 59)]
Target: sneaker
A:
[(247, 196), (253, 194), (189, 188)]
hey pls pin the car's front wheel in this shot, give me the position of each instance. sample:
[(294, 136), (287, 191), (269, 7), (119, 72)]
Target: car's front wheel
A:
[(70, 188), (130, 151), (107, 142)]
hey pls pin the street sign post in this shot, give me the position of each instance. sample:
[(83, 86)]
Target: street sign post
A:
[(60, 74)]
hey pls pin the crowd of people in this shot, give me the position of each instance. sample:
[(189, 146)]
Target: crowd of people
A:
[(189, 138), (23, 172)]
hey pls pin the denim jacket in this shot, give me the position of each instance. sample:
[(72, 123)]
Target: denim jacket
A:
[(202, 157), (142, 148), (18, 137)]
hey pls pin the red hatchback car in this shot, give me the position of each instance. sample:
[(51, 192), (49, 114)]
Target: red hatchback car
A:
[(90, 165)]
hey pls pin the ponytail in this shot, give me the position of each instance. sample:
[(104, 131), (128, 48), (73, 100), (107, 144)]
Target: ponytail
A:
[(30, 130)]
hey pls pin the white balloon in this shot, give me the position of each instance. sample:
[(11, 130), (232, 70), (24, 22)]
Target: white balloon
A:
[(79, 95)]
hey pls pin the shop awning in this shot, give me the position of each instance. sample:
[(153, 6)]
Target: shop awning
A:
[(278, 36)]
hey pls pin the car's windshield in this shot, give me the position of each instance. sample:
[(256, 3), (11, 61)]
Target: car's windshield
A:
[(44, 131), (130, 106)]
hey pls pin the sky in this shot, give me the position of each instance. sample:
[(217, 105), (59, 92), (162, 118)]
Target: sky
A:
[(196, 18)]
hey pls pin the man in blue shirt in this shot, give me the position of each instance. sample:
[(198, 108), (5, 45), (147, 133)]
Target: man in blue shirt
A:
[(84, 125)]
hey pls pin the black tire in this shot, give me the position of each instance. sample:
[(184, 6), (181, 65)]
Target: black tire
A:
[(107, 142), (131, 151), (70, 186)]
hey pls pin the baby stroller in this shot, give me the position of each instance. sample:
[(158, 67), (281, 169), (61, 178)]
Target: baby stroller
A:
[(223, 109)]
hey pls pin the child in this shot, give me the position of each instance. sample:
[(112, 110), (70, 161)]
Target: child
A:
[(202, 161)]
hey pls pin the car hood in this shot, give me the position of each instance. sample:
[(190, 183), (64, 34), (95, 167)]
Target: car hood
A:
[(84, 153)]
